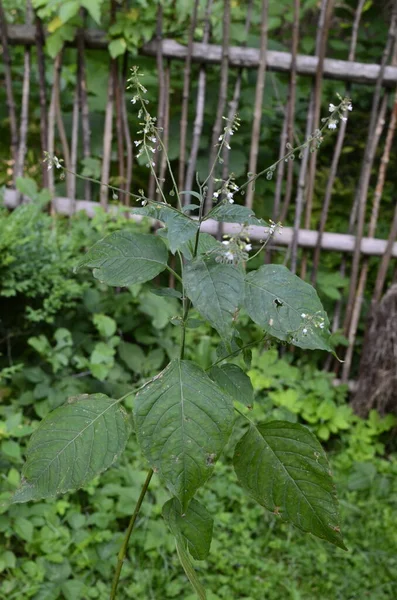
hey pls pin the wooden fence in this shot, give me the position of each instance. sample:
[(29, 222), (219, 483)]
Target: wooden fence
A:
[(290, 193)]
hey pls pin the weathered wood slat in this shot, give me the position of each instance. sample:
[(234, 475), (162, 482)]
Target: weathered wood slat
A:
[(337, 242), (341, 70)]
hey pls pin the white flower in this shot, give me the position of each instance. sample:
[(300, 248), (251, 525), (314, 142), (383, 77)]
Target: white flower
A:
[(332, 107), (152, 149), (303, 315), (220, 138), (229, 196), (248, 247), (216, 194), (225, 242), (231, 201), (332, 125), (153, 139), (304, 331), (344, 119), (229, 255), (321, 325), (350, 106), (138, 142)]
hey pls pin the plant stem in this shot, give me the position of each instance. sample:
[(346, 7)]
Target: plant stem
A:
[(123, 550), (178, 277), (186, 302), (235, 352)]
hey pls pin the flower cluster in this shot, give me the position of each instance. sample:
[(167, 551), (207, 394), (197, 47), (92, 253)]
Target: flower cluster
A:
[(234, 249), (227, 191), (338, 112), (52, 161), (230, 129)]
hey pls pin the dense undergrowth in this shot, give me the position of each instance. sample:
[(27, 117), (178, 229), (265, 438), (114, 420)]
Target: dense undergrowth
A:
[(63, 334)]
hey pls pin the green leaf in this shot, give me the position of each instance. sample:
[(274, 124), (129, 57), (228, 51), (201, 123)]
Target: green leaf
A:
[(216, 291), (283, 466), (234, 213), (94, 9), (72, 445), (23, 528), (183, 421), (68, 10), (193, 528), (287, 307), (207, 242), (132, 355), (189, 570), (117, 47), (168, 292), (180, 228), (124, 258), (27, 186), (105, 325), (232, 380)]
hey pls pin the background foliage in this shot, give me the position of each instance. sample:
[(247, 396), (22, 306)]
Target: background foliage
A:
[(63, 334)]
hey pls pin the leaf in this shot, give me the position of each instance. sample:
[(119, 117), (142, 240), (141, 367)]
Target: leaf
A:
[(216, 291), (105, 325), (124, 258), (68, 10), (94, 9), (27, 186), (117, 47), (234, 213), (287, 307), (167, 292), (190, 572), (72, 445), (207, 242), (183, 421), (283, 466), (232, 380), (180, 227), (132, 355), (193, 528)]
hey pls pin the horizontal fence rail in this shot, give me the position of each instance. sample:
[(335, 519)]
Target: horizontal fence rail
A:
[(342, 70), (307, 238)]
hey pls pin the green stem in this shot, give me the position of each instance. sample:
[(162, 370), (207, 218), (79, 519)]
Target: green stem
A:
[(175, 274), (123, 550), (291, 152), (235, 353), (186, 302)]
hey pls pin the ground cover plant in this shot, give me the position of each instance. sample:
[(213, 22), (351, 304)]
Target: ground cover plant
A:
[(185, 416)]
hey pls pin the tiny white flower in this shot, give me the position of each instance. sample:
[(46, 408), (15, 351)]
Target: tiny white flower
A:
[(248, 247), (304, 331), (344, 119), (350, 106), (138, 142), (332, 107), (229, 255), (152, 149), (225, 242), (220, 138), (332, 125), (321, 325), (231, 201), (153, 139), (303, 315), (216, 194)]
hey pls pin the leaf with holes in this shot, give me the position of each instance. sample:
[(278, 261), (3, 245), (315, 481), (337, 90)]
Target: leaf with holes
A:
[(72, 445), (232, 380), (216, 291), (124, 258), (283, 466), (193, 527), (183, 421), (287, 307)]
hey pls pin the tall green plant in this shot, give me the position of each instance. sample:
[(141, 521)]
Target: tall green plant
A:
[(184, 416)]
